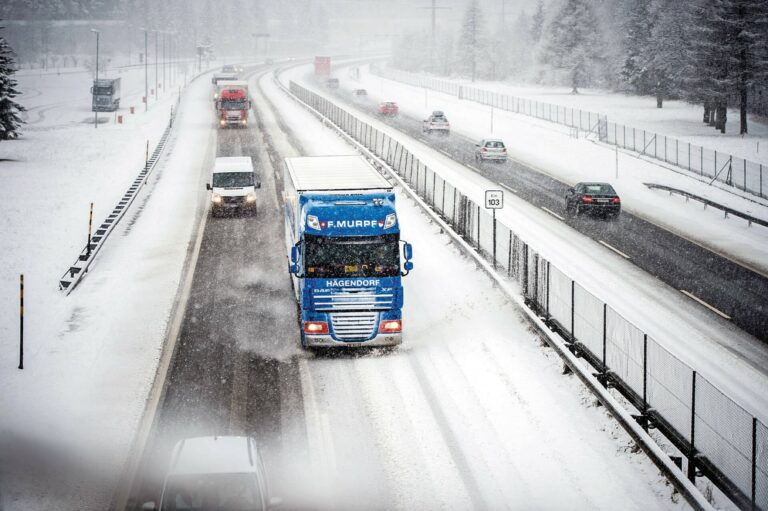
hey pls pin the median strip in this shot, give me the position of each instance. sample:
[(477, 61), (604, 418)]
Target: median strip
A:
[(705, 304)]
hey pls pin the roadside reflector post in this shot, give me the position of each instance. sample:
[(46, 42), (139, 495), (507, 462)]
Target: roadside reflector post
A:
[(132, 110), (21, 321), (119, 119), (143, 100), (90, 223), (146, 156)]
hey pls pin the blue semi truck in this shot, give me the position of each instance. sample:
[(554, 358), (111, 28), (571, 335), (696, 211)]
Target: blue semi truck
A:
[(343, 241)]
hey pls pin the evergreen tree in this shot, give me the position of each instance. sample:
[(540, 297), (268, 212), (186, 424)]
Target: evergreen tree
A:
[(10, 121), (472, 42), (573, 42), (727, 57), (537, 22), (667, 50), (637, 41), (519, 46)]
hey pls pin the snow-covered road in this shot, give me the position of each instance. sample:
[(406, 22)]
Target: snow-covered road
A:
[(471, 411)]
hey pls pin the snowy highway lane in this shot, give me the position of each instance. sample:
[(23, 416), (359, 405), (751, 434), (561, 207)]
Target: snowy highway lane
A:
[(470, 412)]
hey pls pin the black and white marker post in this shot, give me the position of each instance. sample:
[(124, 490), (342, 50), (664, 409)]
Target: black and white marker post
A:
[(494, 199)]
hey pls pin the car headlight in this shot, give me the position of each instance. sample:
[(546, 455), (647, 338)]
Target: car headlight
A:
[(216, 198), (250, 198)]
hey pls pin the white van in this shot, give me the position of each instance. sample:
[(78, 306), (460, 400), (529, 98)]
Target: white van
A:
[(233, 186), (219, 472)]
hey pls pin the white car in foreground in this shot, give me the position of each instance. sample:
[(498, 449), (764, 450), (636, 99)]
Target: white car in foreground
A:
[(224, 473)]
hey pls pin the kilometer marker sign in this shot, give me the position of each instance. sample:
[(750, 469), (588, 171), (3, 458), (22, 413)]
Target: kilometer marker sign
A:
[(494, 199)]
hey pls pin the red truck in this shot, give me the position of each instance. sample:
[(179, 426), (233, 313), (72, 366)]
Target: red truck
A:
[(388, 108), (232, 106), (322, 66)]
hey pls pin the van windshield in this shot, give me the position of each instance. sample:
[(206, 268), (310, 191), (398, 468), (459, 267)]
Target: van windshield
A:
[(352, 256), (232, 179), (203, 492)]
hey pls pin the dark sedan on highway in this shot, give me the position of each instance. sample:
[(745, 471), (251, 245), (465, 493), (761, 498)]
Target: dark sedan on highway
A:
[(596, 198)]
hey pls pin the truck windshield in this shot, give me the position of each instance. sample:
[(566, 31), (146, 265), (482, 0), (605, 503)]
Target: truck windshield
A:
[(102, 90), (232, 179), (352, 256), (223, 492), (234, 104)]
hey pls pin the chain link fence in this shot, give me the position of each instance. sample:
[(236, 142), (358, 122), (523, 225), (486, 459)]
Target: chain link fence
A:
[(720, 439), (709, 164)]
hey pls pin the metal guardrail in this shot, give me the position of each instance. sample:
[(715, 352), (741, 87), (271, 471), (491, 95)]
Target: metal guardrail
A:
[(714, 436), (728, 211), (79, 268), (708, 164)]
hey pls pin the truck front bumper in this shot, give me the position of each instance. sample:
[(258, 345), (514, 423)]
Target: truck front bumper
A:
[(326, 340)]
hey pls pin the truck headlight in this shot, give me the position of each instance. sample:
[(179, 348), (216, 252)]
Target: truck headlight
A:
[(313, 222), (222, 122), (216, 198), (250, 198), (390, 220)]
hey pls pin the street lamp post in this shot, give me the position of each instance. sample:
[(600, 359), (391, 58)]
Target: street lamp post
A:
[(165, 82), (96, 110), (146, 79), (157, 81)]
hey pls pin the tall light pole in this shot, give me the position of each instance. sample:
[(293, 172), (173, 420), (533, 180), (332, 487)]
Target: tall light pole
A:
[(165, 82), (157, 81), (96, 81), (146, 79)]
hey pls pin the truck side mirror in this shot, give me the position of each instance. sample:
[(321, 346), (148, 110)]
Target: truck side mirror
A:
[(91, 90), (258, 184), (294, 269), (208, 186), (408, 266), (408, 251)]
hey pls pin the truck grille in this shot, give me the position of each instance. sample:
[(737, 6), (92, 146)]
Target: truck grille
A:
[(353, 300), (353, 326)]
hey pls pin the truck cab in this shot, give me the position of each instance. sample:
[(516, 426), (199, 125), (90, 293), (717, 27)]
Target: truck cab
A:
[(233, 105), (233, 186), (346, 255), (105, 95)]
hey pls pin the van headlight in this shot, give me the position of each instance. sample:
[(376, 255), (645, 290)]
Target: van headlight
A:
[(216, 198), (250, 198), (390, 220)]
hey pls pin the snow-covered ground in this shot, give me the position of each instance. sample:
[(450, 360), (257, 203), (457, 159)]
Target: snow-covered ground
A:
[(549, 148), (470, 412), (70, 416), (677, 119), (731, 359)]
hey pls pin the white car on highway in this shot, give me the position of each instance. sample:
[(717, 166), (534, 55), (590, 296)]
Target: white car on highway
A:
[(215, 472), (492, 149)]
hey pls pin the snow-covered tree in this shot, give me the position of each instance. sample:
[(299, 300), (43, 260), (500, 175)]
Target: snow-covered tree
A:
[(10, 120), (472, 42), (667, 51), (573, 42), (637, 40), (728, 56), (518, 47), (537, 22)]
